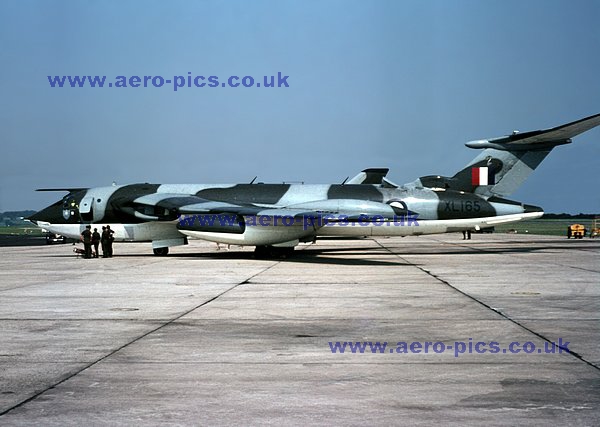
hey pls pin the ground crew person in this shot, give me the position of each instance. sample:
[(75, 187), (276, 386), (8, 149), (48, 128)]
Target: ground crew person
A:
[(86, 238), (103, 238), (105, 242), (109, 241), (95, 241)]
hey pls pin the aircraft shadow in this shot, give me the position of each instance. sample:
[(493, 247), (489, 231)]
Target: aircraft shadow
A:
[(352, 255), (301, 256), (305, 256)]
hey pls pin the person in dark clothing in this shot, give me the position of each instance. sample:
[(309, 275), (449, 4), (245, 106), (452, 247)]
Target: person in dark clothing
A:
[(86, 238), (103, 237), (95, 241), (109, 241)]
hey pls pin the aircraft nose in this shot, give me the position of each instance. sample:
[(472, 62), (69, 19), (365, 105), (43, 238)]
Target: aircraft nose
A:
[(51, 214), (38, 216), (34, 218)]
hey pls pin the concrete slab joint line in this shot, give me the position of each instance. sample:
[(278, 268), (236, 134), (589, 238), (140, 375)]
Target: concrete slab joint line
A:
[(68, 377), (571, 352)]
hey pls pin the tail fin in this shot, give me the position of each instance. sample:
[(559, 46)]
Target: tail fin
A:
[(506, 171), (506, 162)]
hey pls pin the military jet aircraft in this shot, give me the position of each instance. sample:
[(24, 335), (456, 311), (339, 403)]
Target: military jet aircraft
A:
[(277, 217)]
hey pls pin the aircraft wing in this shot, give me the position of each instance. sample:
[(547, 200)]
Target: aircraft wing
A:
[(168, 207), (164, 206)]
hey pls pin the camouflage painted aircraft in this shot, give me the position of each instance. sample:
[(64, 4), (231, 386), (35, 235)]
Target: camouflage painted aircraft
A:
[(276, 217)]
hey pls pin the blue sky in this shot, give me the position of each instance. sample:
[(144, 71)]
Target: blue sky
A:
[(398, 84)]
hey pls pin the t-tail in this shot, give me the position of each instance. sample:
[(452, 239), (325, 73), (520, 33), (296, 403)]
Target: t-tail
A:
[(506, 162)]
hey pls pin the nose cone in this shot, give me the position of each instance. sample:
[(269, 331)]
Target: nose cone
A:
[(52, 214)]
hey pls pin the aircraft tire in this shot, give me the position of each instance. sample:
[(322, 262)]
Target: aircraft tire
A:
[(161, 251)]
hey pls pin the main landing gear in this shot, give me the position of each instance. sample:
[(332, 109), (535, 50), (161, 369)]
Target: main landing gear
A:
[(161, 251)]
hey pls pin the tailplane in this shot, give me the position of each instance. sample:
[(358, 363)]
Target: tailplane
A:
[(506, 162)]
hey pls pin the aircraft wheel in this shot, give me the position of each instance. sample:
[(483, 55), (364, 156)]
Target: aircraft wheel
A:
[(161, 251)]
